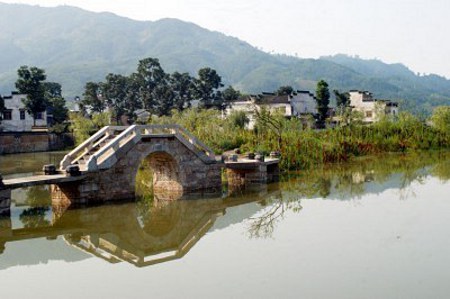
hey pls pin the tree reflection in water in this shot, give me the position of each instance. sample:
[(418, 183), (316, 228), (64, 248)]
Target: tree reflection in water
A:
[(349, 181), (151, 231), (39, 201), (442, 169), (34, 217), (263, 225)]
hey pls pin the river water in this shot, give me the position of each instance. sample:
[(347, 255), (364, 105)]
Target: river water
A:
[(378, 227)]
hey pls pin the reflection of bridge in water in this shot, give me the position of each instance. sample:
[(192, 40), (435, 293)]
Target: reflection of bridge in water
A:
[(134, 232), (147, 234)]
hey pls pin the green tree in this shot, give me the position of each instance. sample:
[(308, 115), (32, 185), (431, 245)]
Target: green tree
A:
[(342, 99), (163, 96), (59, 109), (115, 94), (182, 85), (270, 121), (100, 120), (343, 110), (441, 119), (132, 100), (285, 90), (30, 82), (206, 88), (52, 90), (149, 75), (323, 100), (81, 127), (230, 94), (56, 103), (92, 97), (238, 119)]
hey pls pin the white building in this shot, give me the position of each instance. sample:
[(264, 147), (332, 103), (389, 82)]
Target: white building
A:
[(371, 109), (243, 104), (303, 102), (297, 104), (17, 119)]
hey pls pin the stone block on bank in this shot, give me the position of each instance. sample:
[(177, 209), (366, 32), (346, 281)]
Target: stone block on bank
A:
[(275, 154), (49, 169), (73, 170), (259, 157)]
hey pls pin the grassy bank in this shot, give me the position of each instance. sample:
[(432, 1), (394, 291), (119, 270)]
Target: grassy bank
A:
[(301, 147)]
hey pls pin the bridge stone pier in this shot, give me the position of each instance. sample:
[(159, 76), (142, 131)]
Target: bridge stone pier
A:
[(5, 202), (110, 159)]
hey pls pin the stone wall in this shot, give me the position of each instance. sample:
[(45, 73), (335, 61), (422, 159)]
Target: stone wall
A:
[(27, 142), (303, 102)]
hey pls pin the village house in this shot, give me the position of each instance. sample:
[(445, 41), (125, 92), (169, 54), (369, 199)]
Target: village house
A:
[(371, 108), (295, 105), (303, 102), (17, 119), (269, 101)]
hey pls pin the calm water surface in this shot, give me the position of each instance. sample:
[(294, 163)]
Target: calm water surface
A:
[(378, 227)]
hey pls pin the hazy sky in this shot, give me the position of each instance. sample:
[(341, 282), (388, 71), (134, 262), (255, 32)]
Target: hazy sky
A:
[(413, 32)]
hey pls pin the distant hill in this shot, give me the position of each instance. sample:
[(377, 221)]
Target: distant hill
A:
[(75, 46), (423, 90)]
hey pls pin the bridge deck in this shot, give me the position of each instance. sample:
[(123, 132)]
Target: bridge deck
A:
[(39, 180)]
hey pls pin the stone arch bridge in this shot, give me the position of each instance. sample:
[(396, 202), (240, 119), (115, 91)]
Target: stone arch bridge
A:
[(110, 159)]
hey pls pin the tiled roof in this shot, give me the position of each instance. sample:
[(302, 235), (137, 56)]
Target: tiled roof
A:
[(273, 99)]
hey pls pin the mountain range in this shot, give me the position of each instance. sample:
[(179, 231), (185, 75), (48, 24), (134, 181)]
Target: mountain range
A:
[(75, 46)]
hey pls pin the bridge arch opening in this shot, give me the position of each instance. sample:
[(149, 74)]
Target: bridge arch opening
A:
[(158, 176)]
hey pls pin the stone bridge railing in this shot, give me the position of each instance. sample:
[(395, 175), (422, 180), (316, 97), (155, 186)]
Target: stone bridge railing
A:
[(89, 144), (111, 147), (107, 155), (183, 136)]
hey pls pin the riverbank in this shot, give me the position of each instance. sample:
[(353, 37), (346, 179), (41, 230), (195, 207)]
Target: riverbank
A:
[(303, 148), (32, 142)]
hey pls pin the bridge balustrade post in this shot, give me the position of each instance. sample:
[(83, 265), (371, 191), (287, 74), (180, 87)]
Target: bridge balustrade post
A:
[(137, 132), (109, 131), (92, 164), (65, 161), (91, 145)]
